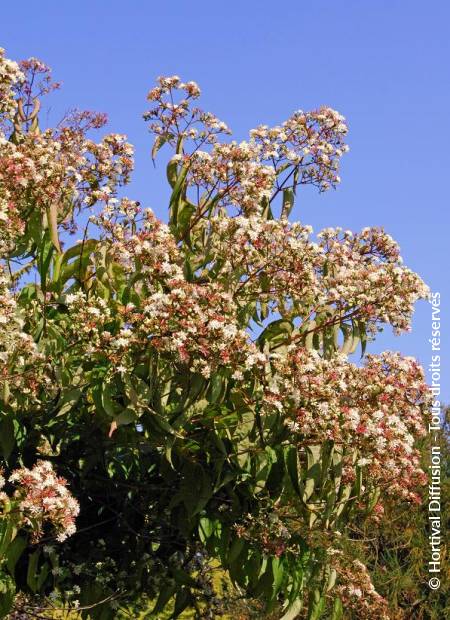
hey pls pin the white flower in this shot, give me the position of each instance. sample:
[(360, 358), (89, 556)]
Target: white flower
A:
[(292, 426)]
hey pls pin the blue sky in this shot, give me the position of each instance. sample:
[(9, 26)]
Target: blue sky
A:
[(384, 64)]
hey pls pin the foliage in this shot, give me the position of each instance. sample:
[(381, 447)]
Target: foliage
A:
[(192, 381), (398, 556)]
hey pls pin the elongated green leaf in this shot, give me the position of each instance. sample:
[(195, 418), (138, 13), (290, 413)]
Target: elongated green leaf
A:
[(182, 600), (7, 435), (288, 202), (277, 332), (236, 549), (165, 594), (363, 337), (292, 466), (157, 144), (205, 529), (338, 610), (107, 400), (278, 572), (45, 256), (317, 606), (293, 610), (313, 474), (52, 221), (7, 593), (32, 576), (68, 400), (14, 551), (176, 195)]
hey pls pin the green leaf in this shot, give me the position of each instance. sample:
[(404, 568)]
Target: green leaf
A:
[(264, 585), (185, 212), (236, 548), (32, 578), (157, 144), (373, 499), (7, 593), (14, 552), (127, 416), (183, 578), (331, 579), (165, 594), (278, 572), (52, 222), (309, 327), (313, 474), (137, 390), (217, 387), (68, 400), (5, 392), (176, 195), (172, 172), (196, 488), (182, 600), (8, 532), (338, 611), (42, 576), (206, 529), (266, 211), (317, 606), (78, 250), (288, 202), (45, 256), (277, 332), (292, 467), (35, 227), (358, 481), (7, 435), (293, 610), (348, 338), (107, 400), (326, 457), (76, 269), (363, 337)]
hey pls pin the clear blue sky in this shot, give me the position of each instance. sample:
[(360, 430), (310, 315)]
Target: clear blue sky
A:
[(384, 64)]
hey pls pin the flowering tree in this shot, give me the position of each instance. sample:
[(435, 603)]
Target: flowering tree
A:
[(193, 380)]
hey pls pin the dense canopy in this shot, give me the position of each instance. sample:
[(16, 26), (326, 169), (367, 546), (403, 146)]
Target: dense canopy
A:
[(190, 393)]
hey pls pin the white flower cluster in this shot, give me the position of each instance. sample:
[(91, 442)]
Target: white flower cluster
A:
[(10, 76), (378, 409), (312, 141), (22, 373), (172, 117), (235, 173), (43, 498), (275, 261)]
